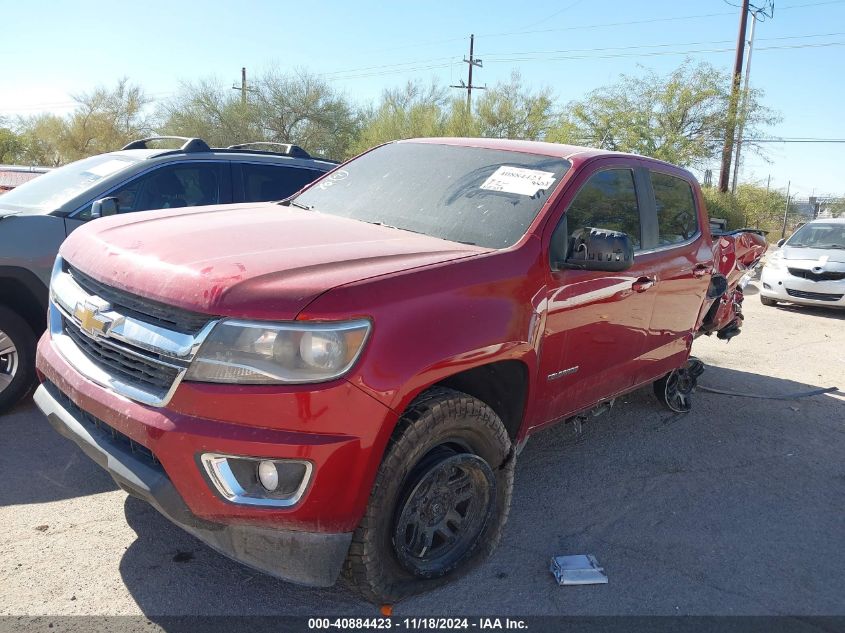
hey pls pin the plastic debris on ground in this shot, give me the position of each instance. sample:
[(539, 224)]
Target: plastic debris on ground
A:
[(580, 569)]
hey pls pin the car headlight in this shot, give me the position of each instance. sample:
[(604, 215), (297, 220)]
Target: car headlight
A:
[(250, 352)]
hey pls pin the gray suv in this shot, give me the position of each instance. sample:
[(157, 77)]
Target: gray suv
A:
[(36, 217)]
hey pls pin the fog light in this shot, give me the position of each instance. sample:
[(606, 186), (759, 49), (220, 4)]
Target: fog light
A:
[(268, 475), (256, 480)]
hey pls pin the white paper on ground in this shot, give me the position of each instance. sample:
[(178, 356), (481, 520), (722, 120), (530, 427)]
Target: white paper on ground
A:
[(580, 569)]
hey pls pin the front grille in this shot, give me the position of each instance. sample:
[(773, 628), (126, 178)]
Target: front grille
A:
[(146, 310), (145, 372), (822, 276), (816, 296), (97, 427)]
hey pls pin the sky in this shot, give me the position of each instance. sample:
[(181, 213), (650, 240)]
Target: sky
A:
[(50, 51)]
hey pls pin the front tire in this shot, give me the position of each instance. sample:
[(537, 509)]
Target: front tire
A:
[(17, 359), (768, 302), (439, 502)]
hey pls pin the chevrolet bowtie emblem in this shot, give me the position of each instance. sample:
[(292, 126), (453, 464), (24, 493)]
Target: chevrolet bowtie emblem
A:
[(90, 315)]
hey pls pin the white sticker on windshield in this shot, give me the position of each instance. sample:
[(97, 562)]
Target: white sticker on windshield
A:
[(109, 167), (525, 182)]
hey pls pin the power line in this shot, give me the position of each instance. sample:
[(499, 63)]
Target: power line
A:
[(795, 140), (660, 53), (637, 46), (510, 57)]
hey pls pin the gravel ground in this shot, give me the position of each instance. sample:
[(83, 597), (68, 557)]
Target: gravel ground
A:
[(734, 508)]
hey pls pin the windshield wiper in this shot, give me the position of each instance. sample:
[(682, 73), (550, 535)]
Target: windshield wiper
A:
[(294, 203), (833, 246), (398, 228)]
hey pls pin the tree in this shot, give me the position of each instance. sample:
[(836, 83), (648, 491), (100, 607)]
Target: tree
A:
[(304, 108), (11, 146), (212, 112), (752, 206), (836, 207), (299, 108), (506, 110), (510, 110), (104, 120), (680, 118), (411, 111), (42, 136)]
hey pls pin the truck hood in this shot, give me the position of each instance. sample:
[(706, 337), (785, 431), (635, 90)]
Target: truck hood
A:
[(262, 261), (793, 253)]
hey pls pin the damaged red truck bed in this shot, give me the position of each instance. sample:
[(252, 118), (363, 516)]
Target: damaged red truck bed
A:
[(341, 382)]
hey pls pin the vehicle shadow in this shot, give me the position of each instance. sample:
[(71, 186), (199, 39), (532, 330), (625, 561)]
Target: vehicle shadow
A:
[(39, 465), (830, 313), (667, 502)]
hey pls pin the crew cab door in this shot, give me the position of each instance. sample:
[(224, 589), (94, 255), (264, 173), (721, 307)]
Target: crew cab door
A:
[(682, 257), (596, 322)]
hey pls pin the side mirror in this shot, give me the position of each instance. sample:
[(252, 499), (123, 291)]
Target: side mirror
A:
[(780, 242), (600, 249), (103, 207)]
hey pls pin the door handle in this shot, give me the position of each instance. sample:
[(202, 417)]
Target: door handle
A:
[(642, 284), (700, 270)]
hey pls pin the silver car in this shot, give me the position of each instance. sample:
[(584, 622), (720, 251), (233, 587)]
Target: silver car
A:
[(809, 267)]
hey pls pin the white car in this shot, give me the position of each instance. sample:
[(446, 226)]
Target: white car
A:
[(809, 268)]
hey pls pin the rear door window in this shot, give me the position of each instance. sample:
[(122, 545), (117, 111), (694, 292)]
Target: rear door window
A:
[(263, 183), (677, 220)]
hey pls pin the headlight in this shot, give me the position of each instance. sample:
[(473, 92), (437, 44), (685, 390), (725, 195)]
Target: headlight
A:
[(248, 352)]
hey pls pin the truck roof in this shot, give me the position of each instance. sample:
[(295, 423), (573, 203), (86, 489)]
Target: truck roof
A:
[(572, 153)]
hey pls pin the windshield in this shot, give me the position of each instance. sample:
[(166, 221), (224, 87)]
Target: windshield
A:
[(470, 195), (53, 189), (819, 235)]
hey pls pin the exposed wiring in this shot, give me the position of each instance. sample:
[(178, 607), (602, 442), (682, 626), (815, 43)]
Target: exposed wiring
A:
[(790, 396)]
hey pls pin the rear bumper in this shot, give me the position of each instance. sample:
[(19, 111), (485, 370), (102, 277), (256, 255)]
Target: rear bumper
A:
[(308, 558), (780, 285)]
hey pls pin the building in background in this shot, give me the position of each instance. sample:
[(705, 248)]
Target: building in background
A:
[(12, 176)]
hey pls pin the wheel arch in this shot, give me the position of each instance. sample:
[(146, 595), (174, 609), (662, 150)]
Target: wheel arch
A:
[(26, 294), (502, 385)]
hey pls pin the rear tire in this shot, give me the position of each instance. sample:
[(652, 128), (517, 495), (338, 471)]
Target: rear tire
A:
[(768, 302), (17, 359), (439, 502)]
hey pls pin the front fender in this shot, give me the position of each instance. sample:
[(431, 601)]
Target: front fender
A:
[(433, 322)]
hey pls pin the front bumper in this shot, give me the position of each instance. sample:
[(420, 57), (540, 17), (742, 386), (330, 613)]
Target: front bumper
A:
[(153, 453), (780, 285), (308, 558)]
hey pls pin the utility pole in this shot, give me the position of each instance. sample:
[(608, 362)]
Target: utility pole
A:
[(757, 13), (472, 61), (786, 210), (242, 87), (727, 151), (744, 109)]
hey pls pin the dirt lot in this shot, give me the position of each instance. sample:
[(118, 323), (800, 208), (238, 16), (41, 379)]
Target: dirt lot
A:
[(735, 508)]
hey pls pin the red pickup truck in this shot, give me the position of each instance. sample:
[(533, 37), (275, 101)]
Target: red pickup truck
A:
[(342, 381)]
